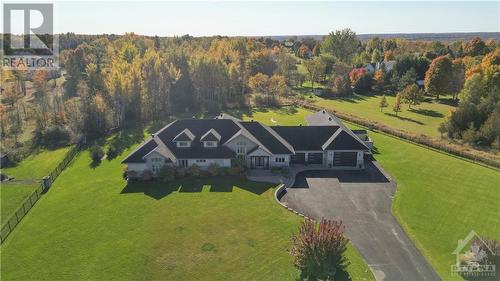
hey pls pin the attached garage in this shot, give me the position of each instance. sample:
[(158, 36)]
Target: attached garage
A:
[(345, 159), (298, 158), (315, 158)]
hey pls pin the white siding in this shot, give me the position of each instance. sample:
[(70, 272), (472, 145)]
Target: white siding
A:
[(136, 167), (208, 162), (273, 163)]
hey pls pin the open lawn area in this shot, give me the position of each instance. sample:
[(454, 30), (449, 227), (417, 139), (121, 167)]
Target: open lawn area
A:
[(91, 225), (420, 119), (439, 198), (27, 174)]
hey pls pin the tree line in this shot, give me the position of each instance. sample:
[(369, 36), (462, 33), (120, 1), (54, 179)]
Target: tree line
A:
[(108, 81)]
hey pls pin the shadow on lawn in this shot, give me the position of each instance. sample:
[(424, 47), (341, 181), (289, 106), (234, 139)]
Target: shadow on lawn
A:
[(404, 118), (427, 112), (159, 190)]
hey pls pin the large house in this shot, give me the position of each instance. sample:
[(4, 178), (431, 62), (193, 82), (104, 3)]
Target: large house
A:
[(325, 141)]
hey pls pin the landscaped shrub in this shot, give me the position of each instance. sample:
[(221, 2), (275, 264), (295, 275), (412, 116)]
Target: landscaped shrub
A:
[(275, 170), (96, 153), (180, 172), (112, 152), (131, 175), (194, 171), (235, 171), (213, 170), (147, 175), (224, 171), (285, 171), (318, 249), (166, 174)]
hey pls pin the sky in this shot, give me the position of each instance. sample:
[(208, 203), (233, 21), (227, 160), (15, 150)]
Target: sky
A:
[(275, 18)]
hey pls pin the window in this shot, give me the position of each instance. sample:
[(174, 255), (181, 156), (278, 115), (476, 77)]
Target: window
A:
[(210, 144), (241, 150), (183, 144), (279, 159), (155, 168), (201, 160), (157, 160)]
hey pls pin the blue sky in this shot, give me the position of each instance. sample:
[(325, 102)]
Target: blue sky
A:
[(275, 18)]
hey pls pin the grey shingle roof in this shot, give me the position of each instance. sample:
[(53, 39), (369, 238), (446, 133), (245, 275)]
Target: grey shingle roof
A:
[(268, 138), (306, 137)]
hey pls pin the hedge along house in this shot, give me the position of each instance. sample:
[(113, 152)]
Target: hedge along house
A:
[(203, 142)]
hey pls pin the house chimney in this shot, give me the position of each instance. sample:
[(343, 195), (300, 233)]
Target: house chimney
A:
[(329, 118), (152, 135)]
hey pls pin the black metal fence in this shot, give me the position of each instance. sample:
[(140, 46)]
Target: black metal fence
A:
[(20, 213)]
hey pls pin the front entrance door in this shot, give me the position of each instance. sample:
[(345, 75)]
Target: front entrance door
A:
[(259, 162)]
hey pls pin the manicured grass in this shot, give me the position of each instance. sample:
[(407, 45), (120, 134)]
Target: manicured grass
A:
[(421, 119), (439, 198), (27, 177), (93, 226), (38, 165), (287, 115)]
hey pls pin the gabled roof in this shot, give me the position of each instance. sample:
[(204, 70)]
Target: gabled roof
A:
[(305, 137), (268, 138), (143, 149), (185, 135), (211, 135), (226, 128), (324, 118)]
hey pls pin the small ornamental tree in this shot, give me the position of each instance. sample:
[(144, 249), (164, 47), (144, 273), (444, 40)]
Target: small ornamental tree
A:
[(412, 95), (318, 249), (166, 174), (383, 103), (96, 153), (397, 104)]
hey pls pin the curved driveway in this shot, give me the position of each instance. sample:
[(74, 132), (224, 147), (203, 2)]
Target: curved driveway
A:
[(362, 200)]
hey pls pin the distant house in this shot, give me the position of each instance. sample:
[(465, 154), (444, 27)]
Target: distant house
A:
[(385, 65), (420, 84), (183, 143)]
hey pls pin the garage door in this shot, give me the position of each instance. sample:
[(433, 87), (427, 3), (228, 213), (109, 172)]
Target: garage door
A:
[(315, 158), (298, 158), (344, 158)]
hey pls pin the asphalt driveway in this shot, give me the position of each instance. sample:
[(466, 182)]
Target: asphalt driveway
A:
[(362, 200)]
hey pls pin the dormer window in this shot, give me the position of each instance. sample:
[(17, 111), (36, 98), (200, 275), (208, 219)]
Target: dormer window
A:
[(210, 144), (210, 139), (183, 144), (184, 139)]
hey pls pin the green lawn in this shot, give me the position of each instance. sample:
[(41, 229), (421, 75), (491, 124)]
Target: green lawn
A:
[(27, 177), (93, 226), (288, 115), (421, 119), (439, 198), (38, 164)]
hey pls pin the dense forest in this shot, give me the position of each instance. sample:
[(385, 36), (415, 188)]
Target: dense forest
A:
[(108, 81)]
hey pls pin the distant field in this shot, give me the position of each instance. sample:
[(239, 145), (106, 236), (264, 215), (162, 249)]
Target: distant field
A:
[(439, 198), (93, 226), (421, 119), (27, 176)]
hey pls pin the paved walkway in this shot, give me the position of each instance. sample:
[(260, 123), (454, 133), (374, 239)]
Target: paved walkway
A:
[(362, 200)]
